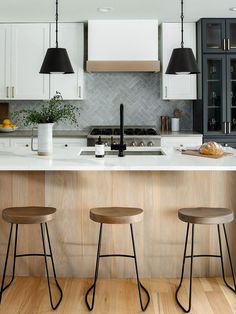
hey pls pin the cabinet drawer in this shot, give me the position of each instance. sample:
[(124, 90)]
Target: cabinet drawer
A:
[(181, 140), (68, 143), (22, 142)]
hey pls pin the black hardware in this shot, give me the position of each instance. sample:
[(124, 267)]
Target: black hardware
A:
[(140, 286), (54, 307), (121, 146), (182, 60), (56, 59), (192, 256)]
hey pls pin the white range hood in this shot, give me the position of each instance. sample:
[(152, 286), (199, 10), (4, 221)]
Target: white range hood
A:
[(123, 46)]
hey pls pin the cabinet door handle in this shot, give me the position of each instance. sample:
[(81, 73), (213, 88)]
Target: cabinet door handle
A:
[(13, 92), (79, 91), (229, 127), (165, 91), (224, 44), (228, 44), (225, 127), (7, 91)]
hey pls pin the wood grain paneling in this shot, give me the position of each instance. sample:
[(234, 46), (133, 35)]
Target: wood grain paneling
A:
[(159, 238)]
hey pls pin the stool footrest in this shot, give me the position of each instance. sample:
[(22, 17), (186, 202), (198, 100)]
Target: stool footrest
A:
[(33, 254), (117, 255), (203, 255)]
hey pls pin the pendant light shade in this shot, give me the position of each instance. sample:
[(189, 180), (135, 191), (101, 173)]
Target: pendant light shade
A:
[(56, 59), (182, 60)]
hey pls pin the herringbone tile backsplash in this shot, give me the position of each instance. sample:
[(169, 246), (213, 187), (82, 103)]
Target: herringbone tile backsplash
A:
[(139, 92)]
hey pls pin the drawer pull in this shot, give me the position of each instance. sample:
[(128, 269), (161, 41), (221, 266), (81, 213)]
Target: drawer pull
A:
[(26, 145), (66, 145)]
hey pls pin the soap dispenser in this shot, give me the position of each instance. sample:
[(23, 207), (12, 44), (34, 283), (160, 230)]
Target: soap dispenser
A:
[(99, 148)]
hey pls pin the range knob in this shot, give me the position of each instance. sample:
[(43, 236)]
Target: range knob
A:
[(150, 143), (141, 144), (133, 143)]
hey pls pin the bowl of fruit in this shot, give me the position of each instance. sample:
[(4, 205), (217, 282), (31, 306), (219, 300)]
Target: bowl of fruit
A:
[(7, 126)]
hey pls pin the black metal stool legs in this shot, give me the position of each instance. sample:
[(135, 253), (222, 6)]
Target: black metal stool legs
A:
[(93, 287), (14, 260), (96, 273), (230, 260), (5, 265), (23, 255), (191, 271), (140, 286), (191, 265), (53, 267)]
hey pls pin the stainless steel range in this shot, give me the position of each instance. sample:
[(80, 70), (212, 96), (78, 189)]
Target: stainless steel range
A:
[(133, 135)]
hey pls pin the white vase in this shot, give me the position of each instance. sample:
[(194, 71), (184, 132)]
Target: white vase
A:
[(174, 124), (45, 142)]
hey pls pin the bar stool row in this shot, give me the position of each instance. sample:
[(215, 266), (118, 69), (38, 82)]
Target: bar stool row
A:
[(117, 215)]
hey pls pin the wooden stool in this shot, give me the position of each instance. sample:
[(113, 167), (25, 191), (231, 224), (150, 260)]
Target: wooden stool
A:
[(116, 215), (206, 216), (30, 215)]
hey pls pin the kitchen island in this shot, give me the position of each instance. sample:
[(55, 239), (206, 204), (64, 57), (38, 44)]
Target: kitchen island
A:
[(158, 184)]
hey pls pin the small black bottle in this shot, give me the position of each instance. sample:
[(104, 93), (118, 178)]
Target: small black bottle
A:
[(99, 148)]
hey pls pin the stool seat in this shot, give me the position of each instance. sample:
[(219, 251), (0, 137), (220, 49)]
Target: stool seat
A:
[(206, 215), (116, 215), (28, 215)]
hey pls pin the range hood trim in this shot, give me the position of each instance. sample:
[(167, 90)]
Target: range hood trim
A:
[(122, 66)]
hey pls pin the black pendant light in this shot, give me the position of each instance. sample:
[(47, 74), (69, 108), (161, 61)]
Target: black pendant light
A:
[(56, 60), (182, 60)]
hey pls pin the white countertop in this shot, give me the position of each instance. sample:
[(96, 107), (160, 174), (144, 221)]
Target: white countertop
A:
[(181, 134), (69, 160)]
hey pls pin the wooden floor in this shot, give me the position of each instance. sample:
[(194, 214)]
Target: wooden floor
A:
[(116, 296)]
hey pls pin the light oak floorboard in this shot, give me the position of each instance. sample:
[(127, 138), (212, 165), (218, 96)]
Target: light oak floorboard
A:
[(29, 295)]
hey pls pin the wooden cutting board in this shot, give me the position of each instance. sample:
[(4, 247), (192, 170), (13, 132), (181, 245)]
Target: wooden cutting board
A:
[(196, 153)]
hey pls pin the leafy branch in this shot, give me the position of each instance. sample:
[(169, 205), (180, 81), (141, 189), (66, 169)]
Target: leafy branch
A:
[(53, 111)]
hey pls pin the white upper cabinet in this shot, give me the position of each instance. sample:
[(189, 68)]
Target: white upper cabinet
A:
[(4, 60), (29, 43), (177, 86), (71, 37)]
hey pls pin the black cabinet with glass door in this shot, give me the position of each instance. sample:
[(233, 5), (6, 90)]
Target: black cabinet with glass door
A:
[(214, 112), (218, 35)]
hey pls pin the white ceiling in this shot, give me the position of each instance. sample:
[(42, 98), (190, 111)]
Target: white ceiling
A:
[(82, 10)]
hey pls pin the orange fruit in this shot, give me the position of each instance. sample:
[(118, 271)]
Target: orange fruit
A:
[(6, 122)]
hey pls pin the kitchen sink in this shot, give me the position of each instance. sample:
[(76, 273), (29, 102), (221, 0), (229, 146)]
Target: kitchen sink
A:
[(153, 152)]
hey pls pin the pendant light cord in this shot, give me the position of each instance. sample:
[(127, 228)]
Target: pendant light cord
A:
[(56, 23), (182, 23)]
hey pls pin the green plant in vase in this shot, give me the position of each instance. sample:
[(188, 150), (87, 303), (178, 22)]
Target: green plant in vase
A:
[(54, 111)]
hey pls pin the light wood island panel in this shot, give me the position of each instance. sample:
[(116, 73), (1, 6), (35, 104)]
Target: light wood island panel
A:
[(159, 238)]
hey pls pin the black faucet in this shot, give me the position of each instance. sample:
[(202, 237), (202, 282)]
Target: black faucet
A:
[(121, 146)]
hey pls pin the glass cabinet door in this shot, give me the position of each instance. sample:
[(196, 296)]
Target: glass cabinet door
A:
[(214, 85), (231, 94), (231, 35), (214, 35)]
